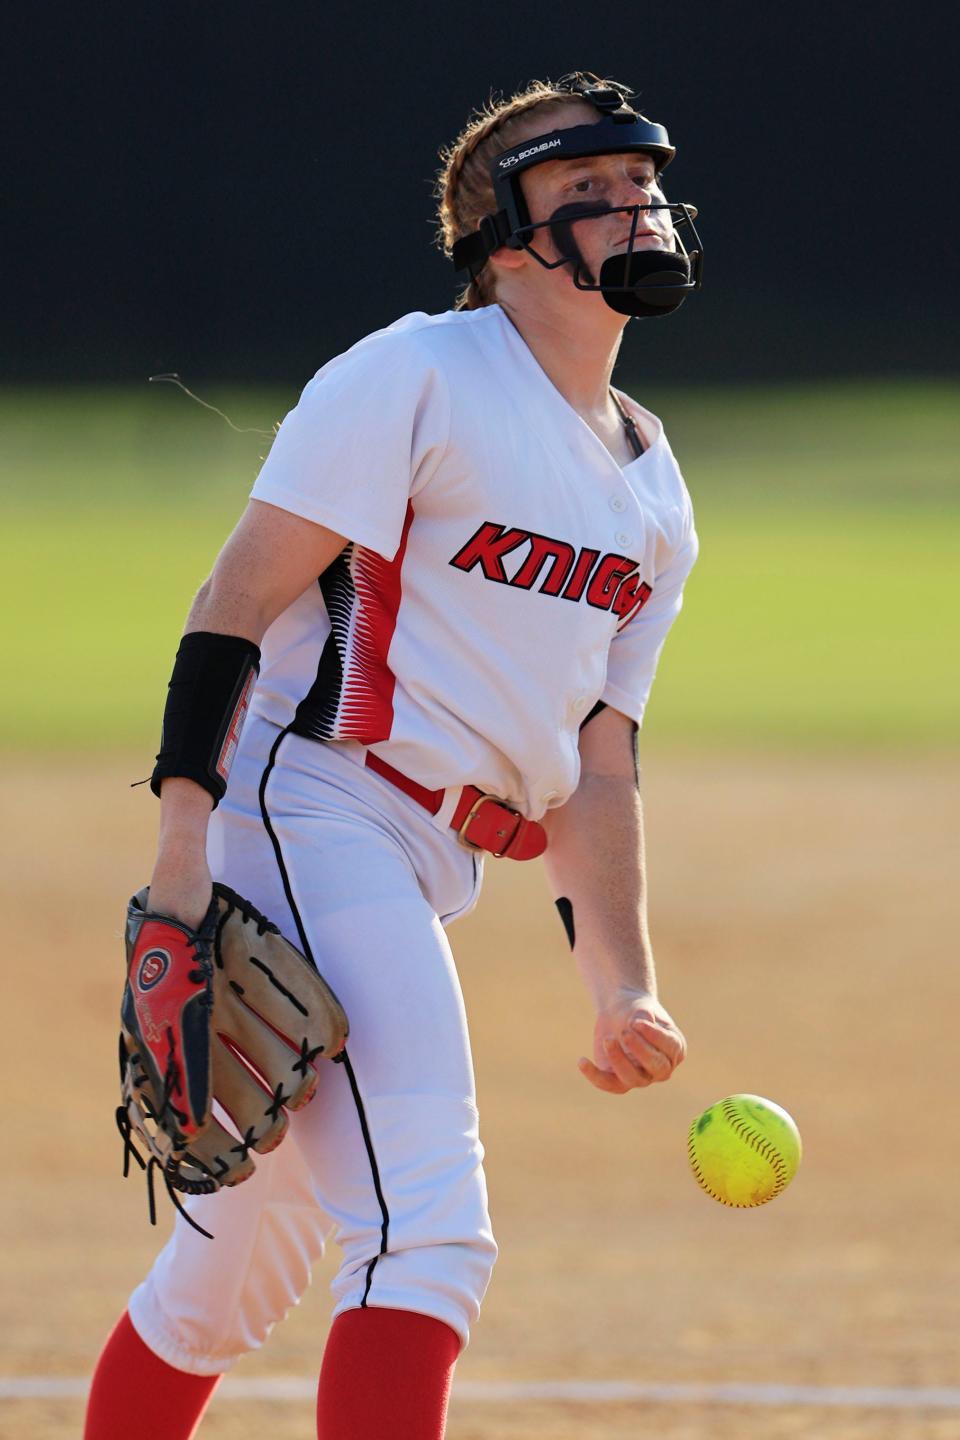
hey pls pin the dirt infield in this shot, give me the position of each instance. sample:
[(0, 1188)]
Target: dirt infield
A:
[(805, 921)]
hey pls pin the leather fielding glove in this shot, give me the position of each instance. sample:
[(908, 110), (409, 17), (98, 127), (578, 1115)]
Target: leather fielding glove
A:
[(230, 1012)]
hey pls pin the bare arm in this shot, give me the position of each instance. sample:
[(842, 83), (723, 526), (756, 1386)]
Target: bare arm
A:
[(595, 860), (269, 560)]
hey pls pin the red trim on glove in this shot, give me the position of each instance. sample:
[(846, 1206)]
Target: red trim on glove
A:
[(164, 997)]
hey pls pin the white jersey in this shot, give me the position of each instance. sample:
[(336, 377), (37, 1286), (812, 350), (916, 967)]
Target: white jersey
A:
[(504, 573)]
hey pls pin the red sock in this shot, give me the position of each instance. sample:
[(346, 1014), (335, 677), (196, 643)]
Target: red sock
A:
[(134, 1392), (386, 1375)]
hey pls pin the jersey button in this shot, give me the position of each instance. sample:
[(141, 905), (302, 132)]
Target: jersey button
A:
[(618, 503), (623, 537)]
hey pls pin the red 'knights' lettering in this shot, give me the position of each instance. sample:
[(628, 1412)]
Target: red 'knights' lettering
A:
[(607, 576), (609, 583), (632, 594), (487, 548), (581, 574), (541, 548)]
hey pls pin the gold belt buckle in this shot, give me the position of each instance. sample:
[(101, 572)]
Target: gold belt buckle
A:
[(474, 809)]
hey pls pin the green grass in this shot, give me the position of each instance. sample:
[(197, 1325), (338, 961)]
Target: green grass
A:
[(885, 443), (823, 609), (819, 626)]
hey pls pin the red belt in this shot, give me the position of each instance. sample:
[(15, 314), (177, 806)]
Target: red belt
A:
[(482, 822)]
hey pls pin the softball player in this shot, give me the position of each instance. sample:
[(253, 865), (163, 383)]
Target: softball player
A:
[(501, 541)]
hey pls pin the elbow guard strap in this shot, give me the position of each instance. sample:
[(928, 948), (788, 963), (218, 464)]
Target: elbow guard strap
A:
[(207, 699)]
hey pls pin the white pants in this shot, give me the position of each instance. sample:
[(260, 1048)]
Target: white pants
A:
[(387, 1157)]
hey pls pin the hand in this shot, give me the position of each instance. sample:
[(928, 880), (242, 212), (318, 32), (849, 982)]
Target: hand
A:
[(635, 1043)]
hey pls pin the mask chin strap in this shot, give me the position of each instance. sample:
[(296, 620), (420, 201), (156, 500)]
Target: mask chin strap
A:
[(471, 252), (647, 283)]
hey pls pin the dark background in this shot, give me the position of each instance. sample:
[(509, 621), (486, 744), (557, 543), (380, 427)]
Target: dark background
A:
[(237, 191)]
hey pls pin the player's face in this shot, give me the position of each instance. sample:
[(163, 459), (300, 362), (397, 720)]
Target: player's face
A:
[(599, 181)]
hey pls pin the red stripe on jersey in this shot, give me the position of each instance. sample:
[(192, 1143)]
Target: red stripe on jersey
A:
[(366, 703)]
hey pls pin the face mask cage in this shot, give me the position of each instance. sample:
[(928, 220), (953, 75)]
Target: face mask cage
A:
[(617, 268), (638, 282)]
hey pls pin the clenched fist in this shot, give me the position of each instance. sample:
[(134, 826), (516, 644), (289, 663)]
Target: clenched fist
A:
[(635, 1043)]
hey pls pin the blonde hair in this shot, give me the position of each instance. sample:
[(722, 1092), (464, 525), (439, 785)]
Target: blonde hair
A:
[(464, 190)]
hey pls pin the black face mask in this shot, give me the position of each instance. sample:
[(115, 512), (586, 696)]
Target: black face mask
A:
[(637, 282), (642, 283)]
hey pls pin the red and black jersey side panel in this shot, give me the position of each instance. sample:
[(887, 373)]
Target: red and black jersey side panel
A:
[(316, 715), (352, 695)]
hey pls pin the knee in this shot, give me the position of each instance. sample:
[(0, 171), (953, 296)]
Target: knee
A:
[(205, 1303), (433, 1250), (468, 1272), (445, 1279)]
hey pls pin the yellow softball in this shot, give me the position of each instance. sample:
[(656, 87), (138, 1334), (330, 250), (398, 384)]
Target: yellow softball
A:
[(744, 1150)]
